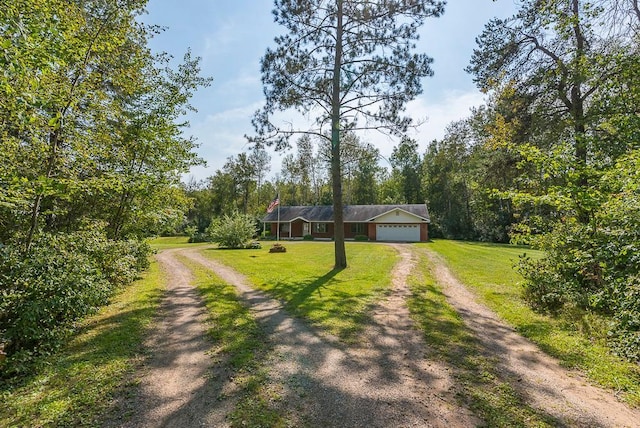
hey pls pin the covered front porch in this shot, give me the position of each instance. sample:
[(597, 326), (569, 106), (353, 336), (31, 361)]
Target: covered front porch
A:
[(299, 228)]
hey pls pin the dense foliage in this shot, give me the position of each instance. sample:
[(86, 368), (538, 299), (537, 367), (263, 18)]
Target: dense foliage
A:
[(563, 75), (232, 231), (63, 278), (596, 266), (92, 149)]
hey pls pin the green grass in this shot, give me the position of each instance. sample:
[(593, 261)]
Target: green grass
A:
[(239, 342), (168, 242), (304, 279), (478, 382), (77, 385), (577, 339)]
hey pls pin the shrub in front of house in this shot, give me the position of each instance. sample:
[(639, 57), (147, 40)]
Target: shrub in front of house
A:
[(254, 245), (266, 236), (195, 235), (308, 237), (361, 238), (232, 231)]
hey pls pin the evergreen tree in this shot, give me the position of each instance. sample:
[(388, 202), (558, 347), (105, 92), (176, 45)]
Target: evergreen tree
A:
[(350, 63)]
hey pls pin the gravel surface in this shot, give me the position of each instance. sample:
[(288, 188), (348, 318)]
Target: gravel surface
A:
[(384, 380), (562, 393), (179, 385)]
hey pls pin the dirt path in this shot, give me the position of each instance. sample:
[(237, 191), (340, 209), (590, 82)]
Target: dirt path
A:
[(179, 386), (564, 394), (385, 380)]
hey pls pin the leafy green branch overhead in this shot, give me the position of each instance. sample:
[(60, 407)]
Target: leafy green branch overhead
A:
[(90, 117), (93, 145)]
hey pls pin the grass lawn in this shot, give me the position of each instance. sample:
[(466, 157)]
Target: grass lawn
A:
[(304, 279), (76, 386), (576, 340)]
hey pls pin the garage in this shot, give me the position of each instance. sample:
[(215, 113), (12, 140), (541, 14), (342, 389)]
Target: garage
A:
[(398, 232)]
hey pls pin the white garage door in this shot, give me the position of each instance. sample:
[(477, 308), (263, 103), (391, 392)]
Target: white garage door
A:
[(398, 232)]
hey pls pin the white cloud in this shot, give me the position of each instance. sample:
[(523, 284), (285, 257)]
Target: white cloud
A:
[(454, 106), (221, 134), (220, 41)]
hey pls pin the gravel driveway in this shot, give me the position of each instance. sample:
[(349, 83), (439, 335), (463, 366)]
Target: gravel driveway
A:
[(385, 380)]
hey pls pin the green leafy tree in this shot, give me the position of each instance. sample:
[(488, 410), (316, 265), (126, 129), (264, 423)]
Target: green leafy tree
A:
[(596, 267), (232, 231), (359, 168), (366, 176), (558, 60), (407, 167), (446, 166), (242, 172), (96, 132), (297, 173), (261, 162), (565, 85), (91, 137), (351, 64)]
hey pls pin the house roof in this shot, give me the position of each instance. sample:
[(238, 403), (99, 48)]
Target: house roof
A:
[(352, 213)]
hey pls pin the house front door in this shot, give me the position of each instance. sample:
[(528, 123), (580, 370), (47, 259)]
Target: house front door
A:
[(306, 229)]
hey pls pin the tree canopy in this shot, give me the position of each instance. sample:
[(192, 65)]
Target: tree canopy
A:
[(90, 119)]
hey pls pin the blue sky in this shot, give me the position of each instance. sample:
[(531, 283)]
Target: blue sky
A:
[(231, 37)]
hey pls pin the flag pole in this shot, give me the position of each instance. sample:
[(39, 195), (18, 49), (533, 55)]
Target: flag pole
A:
[(278, 229)]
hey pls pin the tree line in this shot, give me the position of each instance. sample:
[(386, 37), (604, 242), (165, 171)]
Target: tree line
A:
[(304, 179)]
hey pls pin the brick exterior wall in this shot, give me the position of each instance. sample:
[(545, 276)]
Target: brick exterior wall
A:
[(369, 230)]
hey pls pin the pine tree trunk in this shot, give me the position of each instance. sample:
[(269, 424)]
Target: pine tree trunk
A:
[(336, 178)]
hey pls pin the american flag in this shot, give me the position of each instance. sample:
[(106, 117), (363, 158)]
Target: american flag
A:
[(273, 204)]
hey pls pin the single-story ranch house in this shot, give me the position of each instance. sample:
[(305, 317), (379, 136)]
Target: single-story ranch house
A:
[(378, 222)]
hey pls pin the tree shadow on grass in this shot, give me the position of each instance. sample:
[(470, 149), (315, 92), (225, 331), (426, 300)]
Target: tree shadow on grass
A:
[(481, 385), (98, 349), (309, 288), (341, 313)]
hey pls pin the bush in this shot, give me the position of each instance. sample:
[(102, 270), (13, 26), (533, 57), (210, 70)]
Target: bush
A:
[(308, 237), (61, 280), (595, 266), (254, 245), (361, 238), (625, 333), (541, 289), (198, 237), (232, 231), (195, 236), (267, 236)]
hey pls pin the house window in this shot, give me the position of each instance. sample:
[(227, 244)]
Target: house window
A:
[(320, 227), (284, 227), (357, 228)]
